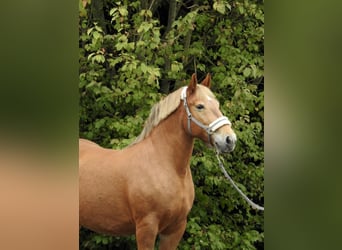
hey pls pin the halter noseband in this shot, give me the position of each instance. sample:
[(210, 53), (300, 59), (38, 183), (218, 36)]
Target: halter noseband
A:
[(212, 127)]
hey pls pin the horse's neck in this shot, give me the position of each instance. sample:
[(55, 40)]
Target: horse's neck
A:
[(171, 141)]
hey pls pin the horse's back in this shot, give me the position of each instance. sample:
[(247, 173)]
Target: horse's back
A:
[(90, 151), (84, 142), (86, 145)]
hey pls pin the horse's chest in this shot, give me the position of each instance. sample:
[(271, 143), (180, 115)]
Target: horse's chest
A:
[(168, 200), (179, 202), (174, 210)]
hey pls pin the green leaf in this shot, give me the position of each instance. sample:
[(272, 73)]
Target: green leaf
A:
[(241, 9), (99, 58), (123, 11), (119, 46), (219, 7), (98, 239), (176, 66), (254, 70), (112, 11), (143, 67), (89, 31), (123, 39), (113, 62), (105, 241), (247, 72), (144, 27), (97, 35), (140, 43), (98, 28)]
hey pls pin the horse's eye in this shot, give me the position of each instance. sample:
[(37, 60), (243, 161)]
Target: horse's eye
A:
[(200, 106)]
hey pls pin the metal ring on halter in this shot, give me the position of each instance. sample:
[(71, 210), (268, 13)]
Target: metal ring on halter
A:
[(212, 127)]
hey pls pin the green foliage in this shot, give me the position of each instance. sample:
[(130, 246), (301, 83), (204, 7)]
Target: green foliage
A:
[(122, 66)]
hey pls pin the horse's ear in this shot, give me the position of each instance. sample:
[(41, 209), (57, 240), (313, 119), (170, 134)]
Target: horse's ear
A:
[(192, 85), (207, 81)]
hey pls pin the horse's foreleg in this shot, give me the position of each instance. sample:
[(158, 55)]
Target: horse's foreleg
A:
[(146, 233), (169, 239)]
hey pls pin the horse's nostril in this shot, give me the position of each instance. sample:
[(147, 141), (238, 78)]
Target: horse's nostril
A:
[(228, 140)]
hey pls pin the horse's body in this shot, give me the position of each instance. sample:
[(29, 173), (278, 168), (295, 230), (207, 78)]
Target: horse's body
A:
[(147, 189)]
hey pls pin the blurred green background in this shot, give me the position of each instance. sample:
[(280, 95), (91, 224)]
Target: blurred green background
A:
[(302, 123)]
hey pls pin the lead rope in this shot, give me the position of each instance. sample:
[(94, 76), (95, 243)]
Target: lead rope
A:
[(255, 206)]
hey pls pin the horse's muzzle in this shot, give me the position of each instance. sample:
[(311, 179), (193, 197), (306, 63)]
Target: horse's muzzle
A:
[(224, 143)]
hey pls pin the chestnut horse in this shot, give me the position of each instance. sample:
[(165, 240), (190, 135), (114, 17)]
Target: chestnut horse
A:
[(146, 188)]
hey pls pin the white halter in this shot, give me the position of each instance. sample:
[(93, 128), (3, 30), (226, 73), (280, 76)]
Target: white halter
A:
[(212, 127)]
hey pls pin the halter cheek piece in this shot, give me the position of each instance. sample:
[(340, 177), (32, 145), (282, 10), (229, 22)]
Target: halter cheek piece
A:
[(212, 127)]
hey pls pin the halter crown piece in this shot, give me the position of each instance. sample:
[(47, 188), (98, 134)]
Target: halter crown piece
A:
[(212, 127)]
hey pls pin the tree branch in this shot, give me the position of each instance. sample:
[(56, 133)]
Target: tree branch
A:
[(165, 83), (97, 14)]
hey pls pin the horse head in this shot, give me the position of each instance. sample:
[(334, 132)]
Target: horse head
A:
[(204, 119)]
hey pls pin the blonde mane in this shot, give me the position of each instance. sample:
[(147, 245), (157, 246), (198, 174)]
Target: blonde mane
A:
[(159, 112)]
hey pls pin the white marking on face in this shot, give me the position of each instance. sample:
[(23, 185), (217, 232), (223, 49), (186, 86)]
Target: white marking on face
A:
[(209, 99)]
